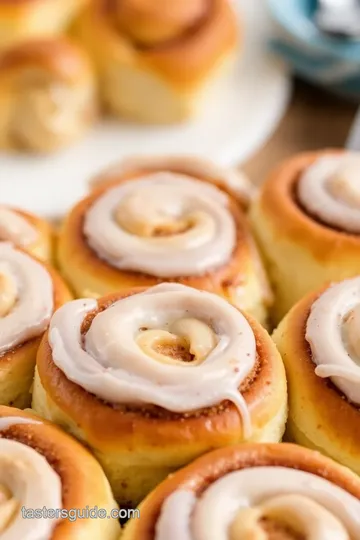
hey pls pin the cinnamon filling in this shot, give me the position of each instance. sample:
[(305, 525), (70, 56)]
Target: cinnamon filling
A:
[(182, 354), (176, 352), (274, 530)]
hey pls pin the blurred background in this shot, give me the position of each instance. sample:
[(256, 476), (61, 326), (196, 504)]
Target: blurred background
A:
[(85, 83)]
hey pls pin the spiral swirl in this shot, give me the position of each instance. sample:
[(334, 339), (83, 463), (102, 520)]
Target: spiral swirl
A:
[(330, 190), (151, 23), (14, 228), (26, 297), (333, 334), (178, 348), (256, 502), (165, 225), (26, 480)]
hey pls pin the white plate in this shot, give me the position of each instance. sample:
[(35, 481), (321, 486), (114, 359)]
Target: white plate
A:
[(244, 110)]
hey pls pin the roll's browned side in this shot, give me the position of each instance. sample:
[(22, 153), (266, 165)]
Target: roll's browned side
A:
[(320, 416), (301, 252)]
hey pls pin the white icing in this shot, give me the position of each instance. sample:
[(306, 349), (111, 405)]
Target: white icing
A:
[(206, 245), (319, 509), (32, 483), (110, 364), (330, 190), (15, 228), (329, 340), (33, 287)]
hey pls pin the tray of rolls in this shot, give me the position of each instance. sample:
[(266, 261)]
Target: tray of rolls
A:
[(179, 352)]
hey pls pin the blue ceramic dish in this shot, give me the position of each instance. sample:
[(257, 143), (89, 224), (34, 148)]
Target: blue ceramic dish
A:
[(320, 59)]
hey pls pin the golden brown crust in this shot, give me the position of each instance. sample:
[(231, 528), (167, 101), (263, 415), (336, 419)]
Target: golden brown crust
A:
[(109, 426), (205, 470), (317, 408), (61, 57), (183, 61), (278, 202), (73, 242), (83, 482)]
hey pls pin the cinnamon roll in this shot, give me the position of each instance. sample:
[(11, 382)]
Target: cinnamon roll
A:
[(155, 58), (319, 343), (307, 221), (47, 95), (49, 484), (21, 20), (165, 219), (29, 294), (152, 379), (27, 231), (262, 491)]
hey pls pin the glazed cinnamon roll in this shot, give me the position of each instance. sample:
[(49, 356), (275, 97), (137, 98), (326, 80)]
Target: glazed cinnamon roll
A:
[(48, 482), (165, 219), (27, 231), (156, 58), (262, 491), (319, 343), (47, 95), (307, 221), (152, 379), (29, 294)]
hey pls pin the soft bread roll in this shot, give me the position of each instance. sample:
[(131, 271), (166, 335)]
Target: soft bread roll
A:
[(165, 219), (47, 95), (150, 380), (319, 343), (156, 58), (307, 221), (43, 470), (30, 292), (21, 20), (27, 231), (262, 492)]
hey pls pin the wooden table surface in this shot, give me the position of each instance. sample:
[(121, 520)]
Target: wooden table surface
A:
[(314, 120)]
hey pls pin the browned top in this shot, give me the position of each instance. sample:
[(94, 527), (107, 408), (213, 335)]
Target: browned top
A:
[(184, 58), (78, 470), (278, 201), (58, 55), (149, 23), (114, 425), (232, 274), (207, 469)]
